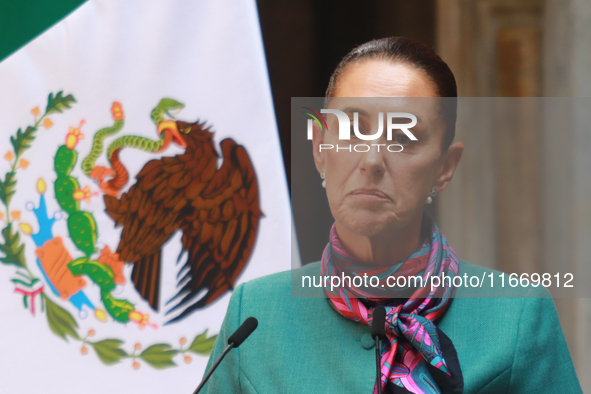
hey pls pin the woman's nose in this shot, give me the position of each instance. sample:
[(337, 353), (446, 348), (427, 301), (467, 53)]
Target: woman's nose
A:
[(372, 161)]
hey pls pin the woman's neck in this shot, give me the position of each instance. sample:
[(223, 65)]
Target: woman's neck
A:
[(383, 249)]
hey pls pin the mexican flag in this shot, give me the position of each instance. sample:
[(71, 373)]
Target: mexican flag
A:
[(141, 181)]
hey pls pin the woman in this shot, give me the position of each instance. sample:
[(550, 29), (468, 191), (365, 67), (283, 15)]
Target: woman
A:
[(435, 342)]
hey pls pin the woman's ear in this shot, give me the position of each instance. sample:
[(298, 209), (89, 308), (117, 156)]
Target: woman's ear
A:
[(317, 139), (451, 160)]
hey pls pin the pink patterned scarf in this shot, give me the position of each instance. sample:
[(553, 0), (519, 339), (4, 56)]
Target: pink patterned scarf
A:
[(417, 357)]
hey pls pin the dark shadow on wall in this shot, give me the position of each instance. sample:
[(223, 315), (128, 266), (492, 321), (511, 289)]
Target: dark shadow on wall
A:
[(304, 41)]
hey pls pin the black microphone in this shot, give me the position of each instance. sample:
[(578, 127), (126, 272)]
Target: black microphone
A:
[(249, 325), (235, 340), (378, 332)]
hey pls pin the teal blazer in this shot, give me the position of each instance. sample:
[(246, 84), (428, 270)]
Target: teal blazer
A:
[(504, 345)]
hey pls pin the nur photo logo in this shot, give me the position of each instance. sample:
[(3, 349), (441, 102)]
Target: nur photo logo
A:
[(344, 125)]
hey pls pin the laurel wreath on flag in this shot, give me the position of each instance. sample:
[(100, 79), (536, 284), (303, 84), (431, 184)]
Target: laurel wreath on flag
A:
[(82, 228)]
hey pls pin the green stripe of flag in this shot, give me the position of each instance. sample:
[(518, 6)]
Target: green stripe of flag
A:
[(23, 20)]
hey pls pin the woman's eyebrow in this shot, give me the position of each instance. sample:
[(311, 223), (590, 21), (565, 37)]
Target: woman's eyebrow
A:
[(358, 110), (420, 118)]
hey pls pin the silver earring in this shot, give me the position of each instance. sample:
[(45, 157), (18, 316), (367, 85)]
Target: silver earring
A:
[(431, 195), (323, 180)]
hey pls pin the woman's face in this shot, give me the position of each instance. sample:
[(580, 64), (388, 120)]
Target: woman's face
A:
[(374, 193)]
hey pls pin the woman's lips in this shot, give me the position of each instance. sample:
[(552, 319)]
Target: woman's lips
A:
[(370, 194)]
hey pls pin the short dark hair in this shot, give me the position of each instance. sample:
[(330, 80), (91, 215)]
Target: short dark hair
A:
[(415, 53)]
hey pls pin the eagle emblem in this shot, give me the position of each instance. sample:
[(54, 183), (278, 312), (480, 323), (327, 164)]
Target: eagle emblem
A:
[(215, 207), (206, 196)]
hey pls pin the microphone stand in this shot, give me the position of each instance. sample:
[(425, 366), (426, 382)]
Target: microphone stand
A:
[(378, 366), (226, 350), (378, 332), (235, 340)]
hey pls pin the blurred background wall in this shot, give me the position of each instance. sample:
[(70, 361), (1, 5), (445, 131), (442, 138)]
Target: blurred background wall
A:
[(518, 207), (304, 41)]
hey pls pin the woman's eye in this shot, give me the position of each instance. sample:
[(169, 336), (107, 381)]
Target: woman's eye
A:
[(402, 139)]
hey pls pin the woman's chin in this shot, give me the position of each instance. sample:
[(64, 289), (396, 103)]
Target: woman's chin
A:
[(369, 225)]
